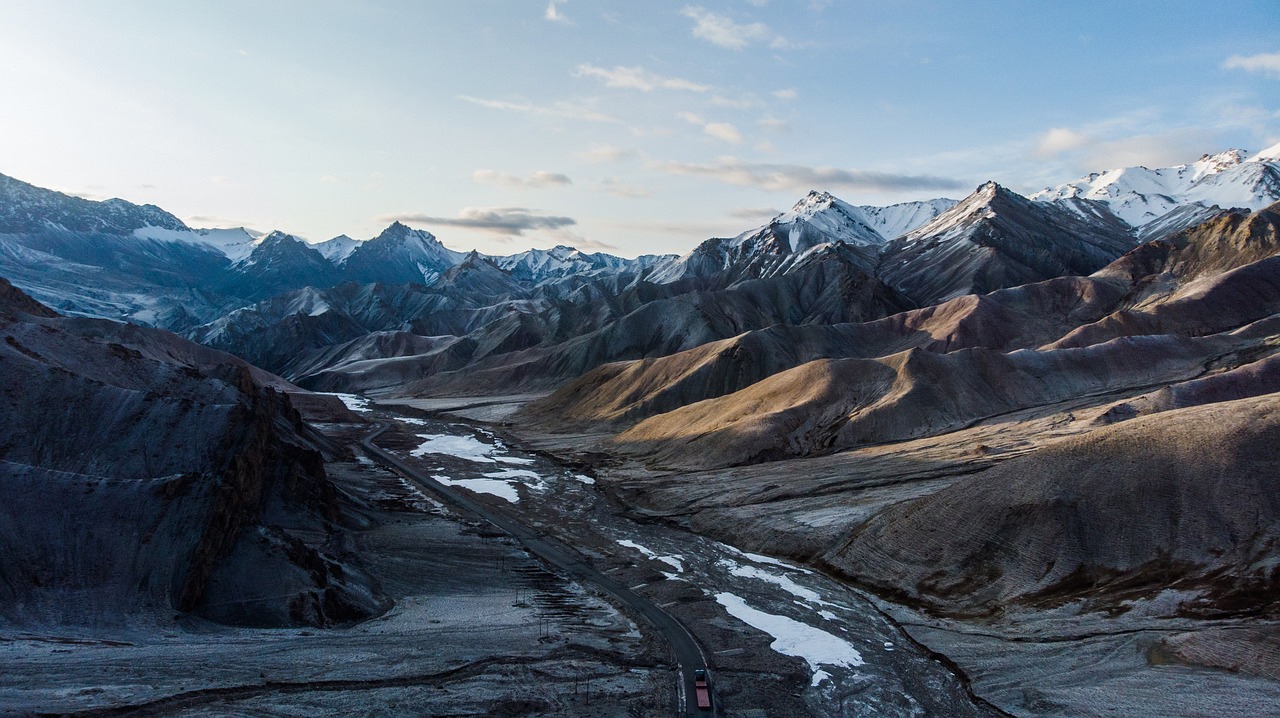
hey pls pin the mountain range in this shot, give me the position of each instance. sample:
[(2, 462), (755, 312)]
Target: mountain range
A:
[(1002, 415)]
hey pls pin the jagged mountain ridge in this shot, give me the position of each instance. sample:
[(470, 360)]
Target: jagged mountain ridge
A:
[(1140, 195)]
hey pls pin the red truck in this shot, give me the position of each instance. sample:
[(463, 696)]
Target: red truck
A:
[(702, 689)]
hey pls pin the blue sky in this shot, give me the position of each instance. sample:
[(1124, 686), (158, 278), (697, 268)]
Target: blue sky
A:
[(628, 126)]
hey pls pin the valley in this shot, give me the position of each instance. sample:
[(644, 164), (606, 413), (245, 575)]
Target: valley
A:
[(1015, 459)]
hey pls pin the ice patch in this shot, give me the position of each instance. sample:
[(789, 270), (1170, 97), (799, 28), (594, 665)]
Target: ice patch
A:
[(782, 582), (494, 487), (462, 447), (675, 562), (585, 479), (468, 448), (818, 677), (758, 558), (515, 460), (793, 638), (353, 401), (514, 474)]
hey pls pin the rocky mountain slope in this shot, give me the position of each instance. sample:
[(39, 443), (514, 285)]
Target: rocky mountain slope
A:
[(141, 473)]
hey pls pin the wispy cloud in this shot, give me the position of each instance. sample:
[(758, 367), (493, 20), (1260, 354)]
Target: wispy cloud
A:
[(786, 94), (561, 110), (745, 102), (553, 11), (724, 32), (637, 78), (537, 180), (577, 241), (722, 131), (213, 221), (1268, 63), (605, 153), (779, 177), (621, 189), (773, 124), (1060, 140), (753, 213), (505, 221)]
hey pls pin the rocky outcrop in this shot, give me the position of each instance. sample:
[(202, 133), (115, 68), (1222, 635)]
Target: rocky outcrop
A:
[(133, 467)]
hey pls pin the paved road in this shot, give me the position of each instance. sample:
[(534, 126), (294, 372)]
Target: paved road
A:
[(688, 654)]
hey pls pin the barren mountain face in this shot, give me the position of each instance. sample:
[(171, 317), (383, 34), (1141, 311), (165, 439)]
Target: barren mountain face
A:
[(144, 474)]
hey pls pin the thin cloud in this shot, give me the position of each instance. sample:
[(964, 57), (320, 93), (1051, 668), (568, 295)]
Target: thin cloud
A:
[(773, 124), (504, 221), (213, 221), (722, 131), (724, 32), (620, 189), (1268, 63), (605, 153), (537, 180), (593, 244), (637, 78), (786, 94), (560, 110), (745, 102), (787, 177), (553, 13), (577, 241), (1162, 149), (753, 213), (1060, 140)]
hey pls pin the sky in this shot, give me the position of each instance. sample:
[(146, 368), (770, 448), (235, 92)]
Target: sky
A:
[(620, 126)]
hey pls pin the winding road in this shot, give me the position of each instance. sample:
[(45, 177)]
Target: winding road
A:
[(688, 654)]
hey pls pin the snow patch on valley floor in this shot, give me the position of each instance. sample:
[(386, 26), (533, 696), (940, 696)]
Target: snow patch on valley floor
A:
[(462, 447), (494, 487), (793, 638), (514, 460), (353, 401), (676, 562), (782, 582)]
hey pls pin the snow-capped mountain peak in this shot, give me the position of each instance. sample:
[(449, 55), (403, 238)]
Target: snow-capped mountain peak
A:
[(1140, 195), (337, 250), (818, 218), (1271, 154)]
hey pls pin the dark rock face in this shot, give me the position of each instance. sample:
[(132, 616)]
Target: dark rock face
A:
[(133, 464), (280, 263), (995, 239), (399, 255)]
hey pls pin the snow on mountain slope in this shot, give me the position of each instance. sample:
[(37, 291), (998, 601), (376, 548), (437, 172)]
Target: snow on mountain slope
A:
[(400, 255), (235, 243), (1139, 195), (833, 219), (337, 250), (538, 265), (996, 238), (898, 219), (25, 208)]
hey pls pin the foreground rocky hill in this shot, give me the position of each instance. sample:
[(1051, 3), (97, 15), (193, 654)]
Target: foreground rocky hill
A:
[(142, 474)]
